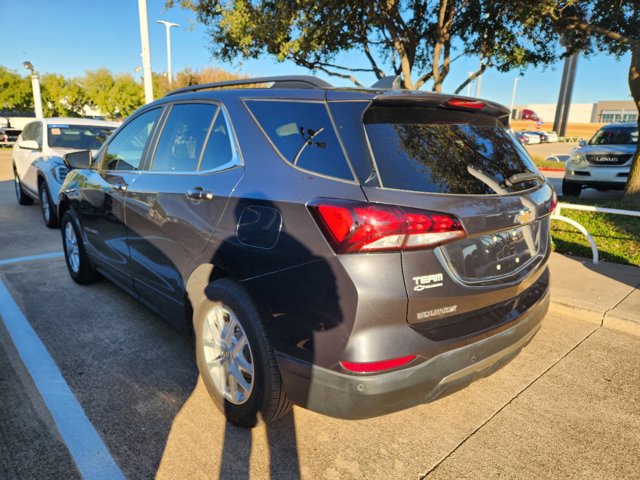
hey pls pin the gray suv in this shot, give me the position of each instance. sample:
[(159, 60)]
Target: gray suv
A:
[(351, 251), (602, 163)]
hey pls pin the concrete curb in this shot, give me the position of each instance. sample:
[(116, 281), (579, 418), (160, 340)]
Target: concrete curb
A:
[(609, 319)]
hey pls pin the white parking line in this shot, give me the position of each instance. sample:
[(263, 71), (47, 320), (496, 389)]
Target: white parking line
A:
[(42, 256), (84, 443)]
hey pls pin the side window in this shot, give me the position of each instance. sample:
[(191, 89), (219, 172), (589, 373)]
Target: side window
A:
[(125, 151), (28, 132), (37, 134), (303, 134), (218, 151), (183, 137)]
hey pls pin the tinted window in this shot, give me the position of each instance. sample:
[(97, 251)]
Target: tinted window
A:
[(416, 150), (79, 137), (125, 151), (615, 136), (304, 136), (183, 137), (218, 151)]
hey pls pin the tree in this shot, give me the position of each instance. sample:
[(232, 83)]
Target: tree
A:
[(417, 39), (98, 84), (62, 97), (611, 26), (126, 96), (113, 96), (15, 91)]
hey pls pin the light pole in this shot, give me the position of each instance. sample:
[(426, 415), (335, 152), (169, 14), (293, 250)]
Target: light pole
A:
[(35, 84), (146, 52), (513, 96), (167, 26), (469, 85)]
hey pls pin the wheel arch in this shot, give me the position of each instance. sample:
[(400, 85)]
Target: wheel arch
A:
[(195, 286)]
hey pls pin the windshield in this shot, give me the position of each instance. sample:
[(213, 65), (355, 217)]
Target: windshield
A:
[(466, 154), (78, 137), (615, 136)]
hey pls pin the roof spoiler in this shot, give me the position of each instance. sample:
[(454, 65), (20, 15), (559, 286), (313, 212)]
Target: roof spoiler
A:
[(446, 102)]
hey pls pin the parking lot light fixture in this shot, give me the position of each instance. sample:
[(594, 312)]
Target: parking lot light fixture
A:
[(513, 97), (146, 51), (35, 85), (168, 26)]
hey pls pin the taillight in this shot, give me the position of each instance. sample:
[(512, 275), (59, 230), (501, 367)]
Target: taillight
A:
[(462, 103), (371, 367), (554, 202), (352, 227)]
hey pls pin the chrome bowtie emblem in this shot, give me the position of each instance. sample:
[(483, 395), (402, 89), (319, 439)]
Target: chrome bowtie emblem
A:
[(524, 216)]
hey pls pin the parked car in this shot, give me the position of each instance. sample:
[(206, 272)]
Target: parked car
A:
[(552, 137), (530, 137), (38, 168), (354, 252), (8, 136), (604, 162), (521, 137), (545, 137)]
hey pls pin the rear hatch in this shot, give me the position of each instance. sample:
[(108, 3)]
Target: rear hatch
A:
[(455, 156)]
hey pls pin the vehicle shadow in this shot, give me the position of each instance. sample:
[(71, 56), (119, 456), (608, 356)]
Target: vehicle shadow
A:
[(300, 309), (306, 317)]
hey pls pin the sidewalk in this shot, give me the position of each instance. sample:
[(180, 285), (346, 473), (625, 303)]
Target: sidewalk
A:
[(607, 294)]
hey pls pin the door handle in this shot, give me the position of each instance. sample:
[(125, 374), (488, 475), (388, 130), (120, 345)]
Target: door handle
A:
[(199, 194), (119, 187)]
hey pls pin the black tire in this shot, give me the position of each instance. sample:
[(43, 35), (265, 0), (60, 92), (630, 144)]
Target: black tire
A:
[(47, 207), (82, 272), (570, 189), (23, 198), (267, 401)]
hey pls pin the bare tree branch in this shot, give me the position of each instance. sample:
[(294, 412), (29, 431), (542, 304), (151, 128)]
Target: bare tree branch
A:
[(315, 66), (473, 76), (592, 28)]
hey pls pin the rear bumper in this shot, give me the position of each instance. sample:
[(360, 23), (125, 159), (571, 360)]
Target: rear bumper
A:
[(355, 397)]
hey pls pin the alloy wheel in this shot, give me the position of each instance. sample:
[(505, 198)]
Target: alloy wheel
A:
[(44, 202), (72, 250), (228, 355)]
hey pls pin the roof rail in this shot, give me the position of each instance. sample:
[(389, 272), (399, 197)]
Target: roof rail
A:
[(285, 81)]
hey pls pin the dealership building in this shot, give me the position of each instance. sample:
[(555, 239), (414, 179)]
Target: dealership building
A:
[(604, 111)]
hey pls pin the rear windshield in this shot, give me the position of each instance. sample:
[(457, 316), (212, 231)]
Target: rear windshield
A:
[(80, 137), (435, 151), (615, 136)]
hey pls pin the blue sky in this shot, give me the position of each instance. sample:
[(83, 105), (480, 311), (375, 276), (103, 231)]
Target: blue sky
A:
[(71, 36)]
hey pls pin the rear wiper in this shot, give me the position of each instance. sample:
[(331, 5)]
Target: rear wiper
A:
[(521, 178)]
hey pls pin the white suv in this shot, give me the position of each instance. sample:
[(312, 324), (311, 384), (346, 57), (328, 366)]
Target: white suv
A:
[(602, 163), (38, 169)]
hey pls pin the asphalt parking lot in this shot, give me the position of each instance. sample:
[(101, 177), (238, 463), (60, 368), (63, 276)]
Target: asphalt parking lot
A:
[(567, 407)]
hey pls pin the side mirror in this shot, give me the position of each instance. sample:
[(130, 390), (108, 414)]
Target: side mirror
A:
[(80, 159), (582, 143), (28, 145)]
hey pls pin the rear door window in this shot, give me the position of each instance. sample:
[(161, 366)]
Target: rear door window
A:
[(424, 150), (219, 151), (183, 137), (304, 136)]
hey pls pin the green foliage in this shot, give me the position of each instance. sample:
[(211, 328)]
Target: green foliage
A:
[(617, 236), (15, 91), (61, 97), (416, 38)]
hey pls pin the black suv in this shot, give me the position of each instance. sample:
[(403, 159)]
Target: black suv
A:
[(352, 251)]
